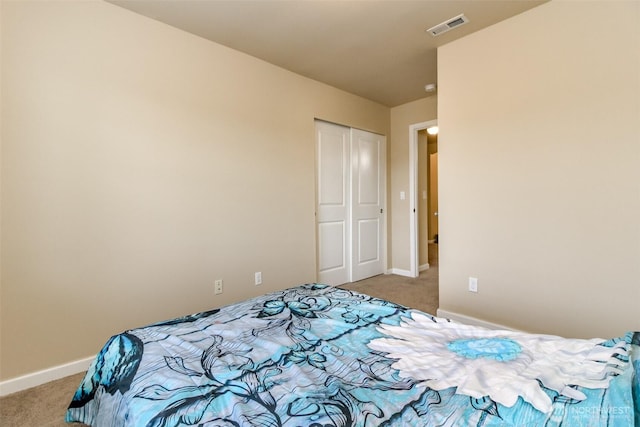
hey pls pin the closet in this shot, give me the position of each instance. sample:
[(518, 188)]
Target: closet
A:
[(350, 203)]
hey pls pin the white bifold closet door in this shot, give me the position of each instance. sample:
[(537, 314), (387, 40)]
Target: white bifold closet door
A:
[(350, 166)]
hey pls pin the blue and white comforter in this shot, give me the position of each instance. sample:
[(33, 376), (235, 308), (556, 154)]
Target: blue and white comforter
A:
[(320, 356)]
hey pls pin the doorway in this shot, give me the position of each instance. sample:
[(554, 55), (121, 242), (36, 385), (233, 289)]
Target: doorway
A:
[(350, 202), (427, 205), (422, 203)]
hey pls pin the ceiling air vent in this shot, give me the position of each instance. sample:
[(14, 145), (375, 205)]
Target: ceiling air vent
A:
[(449, 24)]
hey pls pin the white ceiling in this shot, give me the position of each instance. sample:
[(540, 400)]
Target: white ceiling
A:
[(376, 49)]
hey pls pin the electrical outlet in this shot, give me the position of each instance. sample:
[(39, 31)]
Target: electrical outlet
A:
[(217, 287), (473, 284), (258, 278)]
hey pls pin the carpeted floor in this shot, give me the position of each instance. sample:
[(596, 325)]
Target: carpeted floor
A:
[(45, 405), (42, 406), (420, 293)]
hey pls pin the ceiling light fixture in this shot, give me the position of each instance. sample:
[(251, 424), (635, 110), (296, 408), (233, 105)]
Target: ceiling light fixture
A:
[(433, 130), (431, 87)]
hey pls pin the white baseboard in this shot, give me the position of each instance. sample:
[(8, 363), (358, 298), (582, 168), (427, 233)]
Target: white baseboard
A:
[(400, 272), (423, 267), (38, 378), (468, 320)]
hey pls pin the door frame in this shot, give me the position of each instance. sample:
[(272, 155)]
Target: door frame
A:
[(413, 193)]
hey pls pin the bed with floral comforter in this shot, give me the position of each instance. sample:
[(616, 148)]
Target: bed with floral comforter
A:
[(321, 356)]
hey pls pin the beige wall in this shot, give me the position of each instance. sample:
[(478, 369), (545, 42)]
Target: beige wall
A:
[(139, 164), (539, 157), (402, 117)]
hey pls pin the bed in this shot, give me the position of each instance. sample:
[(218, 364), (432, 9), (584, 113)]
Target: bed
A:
[(322, 356)]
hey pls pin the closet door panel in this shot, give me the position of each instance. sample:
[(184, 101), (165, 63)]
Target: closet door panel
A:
[(332, 205), (368, 183)]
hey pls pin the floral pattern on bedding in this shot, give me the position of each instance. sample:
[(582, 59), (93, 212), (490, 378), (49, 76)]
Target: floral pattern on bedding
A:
[(301, 357)]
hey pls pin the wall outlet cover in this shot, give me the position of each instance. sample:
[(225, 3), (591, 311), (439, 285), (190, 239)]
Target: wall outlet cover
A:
[(473, 284)]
